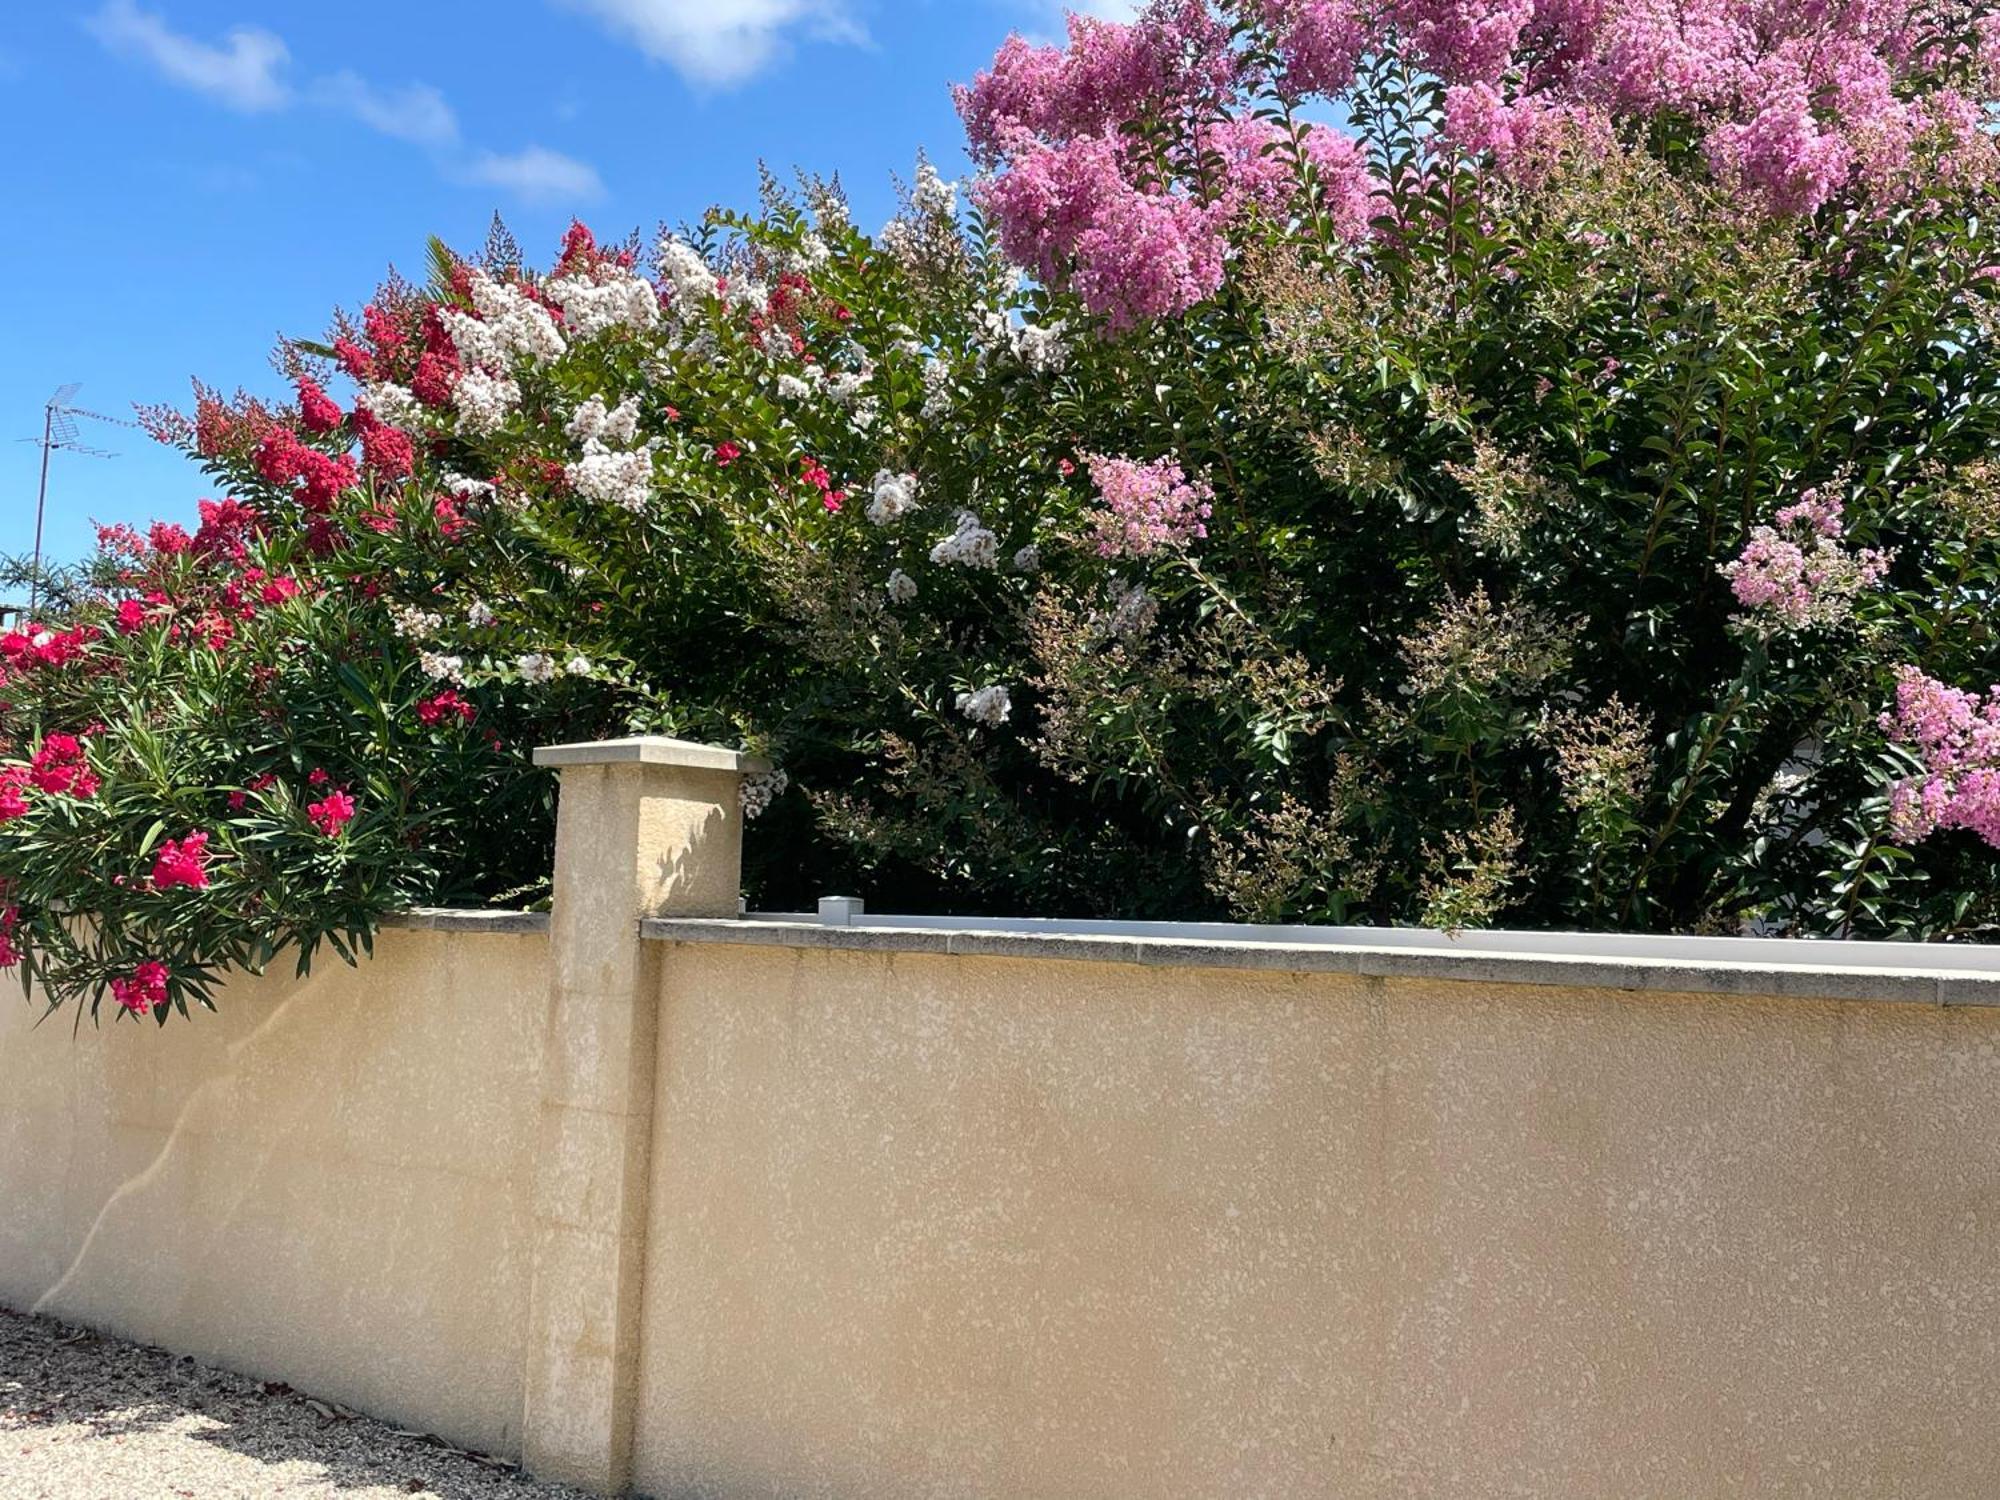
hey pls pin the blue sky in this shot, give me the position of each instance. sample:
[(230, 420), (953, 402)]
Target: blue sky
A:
[(193, 177)]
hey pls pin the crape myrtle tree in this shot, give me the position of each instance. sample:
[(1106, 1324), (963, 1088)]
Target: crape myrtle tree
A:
[(1441, 463)]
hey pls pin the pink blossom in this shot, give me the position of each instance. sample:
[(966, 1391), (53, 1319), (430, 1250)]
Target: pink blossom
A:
[(1145, 507), (332, 813), (182, 863), (145, 989), (1796, 572), (1955, 735)]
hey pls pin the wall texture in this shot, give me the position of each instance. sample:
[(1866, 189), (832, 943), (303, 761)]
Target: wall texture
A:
[(931, 1226), (728, 1210), (327, 1182)]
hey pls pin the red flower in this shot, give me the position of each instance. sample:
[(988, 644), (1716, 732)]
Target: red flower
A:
[(183, 863), (317, 412), (278, 590), (435, 377), (387, 452), (319, 777), (332, 813), (131, 615), (726, 454), (10, 918), (59, 768), (436, 710), (169, 538), (354, 359), (145, 990), (13, 785), (237, 800)]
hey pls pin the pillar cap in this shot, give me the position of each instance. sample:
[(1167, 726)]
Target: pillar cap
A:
[(651, 750)]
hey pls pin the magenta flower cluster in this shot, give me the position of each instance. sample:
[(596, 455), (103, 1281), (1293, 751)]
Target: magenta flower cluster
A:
[(1145, 508), (1798, 572), (1956, 736)]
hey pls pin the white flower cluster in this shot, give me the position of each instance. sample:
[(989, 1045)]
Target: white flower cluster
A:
[(608, 297), (843, 389), (393, 404), (536, 667), (895, 496), (932, 195), (758, 792), (511, 326), (743, 292), (414, 624), (480, 615), (683, 269), (578, 666), (441, 668), (937, 389), (593, 423), (1028, 559), (901, 587), (988, 705), (614, 476), (1040, 346), (468, 489), (970, 546), (484, 401)]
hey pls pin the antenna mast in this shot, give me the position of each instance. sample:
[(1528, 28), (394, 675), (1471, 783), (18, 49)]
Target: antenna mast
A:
[(59, 430)]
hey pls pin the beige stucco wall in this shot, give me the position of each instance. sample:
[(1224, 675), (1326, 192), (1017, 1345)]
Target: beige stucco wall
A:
[(327, 1182), (927, 1226)]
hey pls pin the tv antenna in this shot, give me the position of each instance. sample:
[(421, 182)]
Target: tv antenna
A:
[(59, 431)]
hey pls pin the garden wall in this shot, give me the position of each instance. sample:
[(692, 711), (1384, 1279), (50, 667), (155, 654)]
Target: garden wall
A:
[(325, 1183), (717, 1207)]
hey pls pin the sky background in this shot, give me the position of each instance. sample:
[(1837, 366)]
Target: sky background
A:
[(194, 177)]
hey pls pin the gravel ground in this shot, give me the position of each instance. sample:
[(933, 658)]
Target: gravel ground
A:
[(89, 1418)]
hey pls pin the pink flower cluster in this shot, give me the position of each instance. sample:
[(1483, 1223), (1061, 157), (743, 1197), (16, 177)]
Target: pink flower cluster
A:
[(1796, 572), (144, 989), (1145, 507), (182, 862), (1956, 736), (1137, 234), (10, 951)]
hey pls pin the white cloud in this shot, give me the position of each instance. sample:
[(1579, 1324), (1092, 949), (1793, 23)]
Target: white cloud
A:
[(721, 42), (243, 73), (416, 113), (536, 174)]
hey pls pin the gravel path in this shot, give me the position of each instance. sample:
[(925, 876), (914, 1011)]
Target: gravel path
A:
[(90, 1418)]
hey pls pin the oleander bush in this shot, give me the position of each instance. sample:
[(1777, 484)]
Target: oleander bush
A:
[(1460, 464)]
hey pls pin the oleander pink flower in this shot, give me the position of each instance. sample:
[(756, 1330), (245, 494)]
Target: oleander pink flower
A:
[(182, 862), (331, 813), (144, 990)]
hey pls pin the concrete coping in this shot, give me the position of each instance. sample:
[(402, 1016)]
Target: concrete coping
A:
[(449, 919), (651, 750), (1913, 984)]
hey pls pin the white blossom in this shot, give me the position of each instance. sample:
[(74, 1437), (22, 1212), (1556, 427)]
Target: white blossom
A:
[(1028, 559), (988, 705), (480, 615), (1040, 346), (865, 414), (608, 297), (392, 403), (743, 292), (442, 668), (597, 429), (757, 793), (484, 401), (932, 195), (536, 667), (623, 479), (894, 496), (937, 389), (846, 386), (686, 272), (577, 666), (468, 489), (792, 388), (970, 546), (511, 326), (414, 624), (901, 587)]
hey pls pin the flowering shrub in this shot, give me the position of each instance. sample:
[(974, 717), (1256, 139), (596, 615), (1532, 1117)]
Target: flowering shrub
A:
[(1519, 504)]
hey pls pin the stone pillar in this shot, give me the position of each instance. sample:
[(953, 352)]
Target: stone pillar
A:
[(644, 828)]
